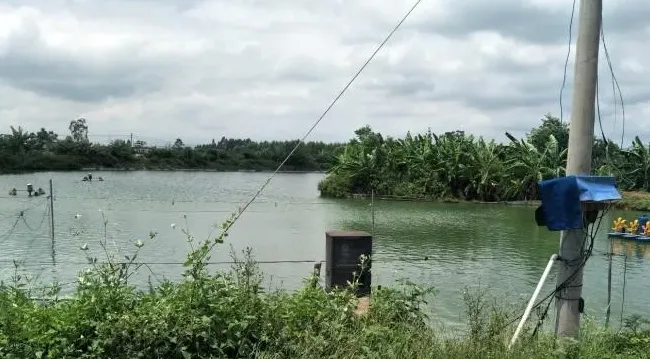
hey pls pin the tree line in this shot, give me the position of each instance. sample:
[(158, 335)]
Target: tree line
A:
[(22, 151), (459, 165)]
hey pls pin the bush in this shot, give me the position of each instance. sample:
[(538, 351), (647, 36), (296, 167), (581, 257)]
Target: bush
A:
[(335, 187)]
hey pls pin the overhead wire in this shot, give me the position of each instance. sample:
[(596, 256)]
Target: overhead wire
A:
[(614, 80), (238, 214), (566, 60), (616, 88)]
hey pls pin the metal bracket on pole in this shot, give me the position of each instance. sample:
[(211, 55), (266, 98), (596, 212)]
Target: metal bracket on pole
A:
[(529, 307)]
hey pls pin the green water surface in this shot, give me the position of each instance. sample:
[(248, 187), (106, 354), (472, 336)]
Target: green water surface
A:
[(465, 245)]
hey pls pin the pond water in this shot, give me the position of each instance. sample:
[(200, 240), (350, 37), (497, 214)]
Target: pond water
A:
[(493, 246)]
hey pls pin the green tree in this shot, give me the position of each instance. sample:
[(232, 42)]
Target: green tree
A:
[(539, 136), (79, 130)]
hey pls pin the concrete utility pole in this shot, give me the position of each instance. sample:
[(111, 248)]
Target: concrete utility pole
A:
[(581, 139)]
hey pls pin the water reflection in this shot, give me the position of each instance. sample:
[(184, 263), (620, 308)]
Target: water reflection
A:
[(630, 248)]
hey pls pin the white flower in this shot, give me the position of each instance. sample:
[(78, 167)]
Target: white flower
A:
[(77, 216), (84, 247), (139, 243), (173, 225)]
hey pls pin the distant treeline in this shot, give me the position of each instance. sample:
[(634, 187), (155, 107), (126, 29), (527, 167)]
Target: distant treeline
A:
[(44, 150), (459, 165)]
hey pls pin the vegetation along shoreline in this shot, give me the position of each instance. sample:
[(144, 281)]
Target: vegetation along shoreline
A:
[(458, 167), (451, 167)]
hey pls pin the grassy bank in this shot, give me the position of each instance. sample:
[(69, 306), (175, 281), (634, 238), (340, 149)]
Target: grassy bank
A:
[(634, 201)]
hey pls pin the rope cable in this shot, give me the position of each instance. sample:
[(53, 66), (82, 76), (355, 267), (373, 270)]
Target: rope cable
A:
[(311, 129)]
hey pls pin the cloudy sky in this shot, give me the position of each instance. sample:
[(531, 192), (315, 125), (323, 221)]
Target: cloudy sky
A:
[(266, 69)]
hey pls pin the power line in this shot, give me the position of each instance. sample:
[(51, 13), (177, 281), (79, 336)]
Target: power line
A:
[(566, 60), (311, 129), (615, 82)]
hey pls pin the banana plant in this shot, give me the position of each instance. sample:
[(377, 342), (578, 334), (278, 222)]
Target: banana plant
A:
[(638, 164), (529, 166), (489, 171), (555, 157)]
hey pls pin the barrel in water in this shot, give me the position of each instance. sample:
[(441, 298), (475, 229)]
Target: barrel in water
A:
[(343, 252)]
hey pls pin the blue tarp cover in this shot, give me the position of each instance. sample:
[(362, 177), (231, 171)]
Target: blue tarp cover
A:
[(562, 197)]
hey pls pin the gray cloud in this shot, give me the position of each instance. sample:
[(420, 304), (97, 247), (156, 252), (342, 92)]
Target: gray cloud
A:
[(27, 63), (530, 22), (202, 69), (513, 18)]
